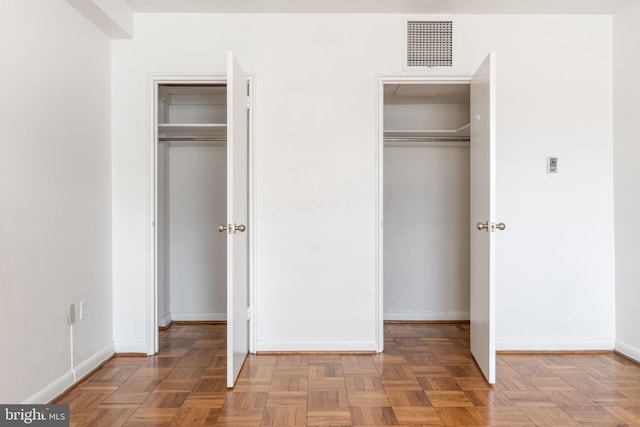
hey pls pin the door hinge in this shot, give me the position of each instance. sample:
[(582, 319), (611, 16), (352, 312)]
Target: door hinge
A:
[(249, 103), (249, 313)]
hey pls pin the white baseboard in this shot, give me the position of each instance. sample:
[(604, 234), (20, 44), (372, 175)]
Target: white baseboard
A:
[(130, 346), (165, 321), (68, 379), (51, 390), (628, 350), (195, 317), (554, 344), (316, 346), (428, 315), (92, 362)]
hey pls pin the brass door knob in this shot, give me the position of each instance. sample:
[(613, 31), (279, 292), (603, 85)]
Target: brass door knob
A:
[(241, 228), (501, 226), (222, 228), (482, 226)]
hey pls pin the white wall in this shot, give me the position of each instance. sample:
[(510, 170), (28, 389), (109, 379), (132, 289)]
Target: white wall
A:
[(55, 198), (626, 65), (197, 194), (426, 116), (426, 238), (315, 114), (555, 267)]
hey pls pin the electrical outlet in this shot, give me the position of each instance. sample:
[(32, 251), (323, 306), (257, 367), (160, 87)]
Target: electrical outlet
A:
[(83, 309), (72, 314), (552, 165)]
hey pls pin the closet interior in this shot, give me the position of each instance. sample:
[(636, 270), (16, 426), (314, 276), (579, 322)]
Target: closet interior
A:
[(191, 200), (426, 201)]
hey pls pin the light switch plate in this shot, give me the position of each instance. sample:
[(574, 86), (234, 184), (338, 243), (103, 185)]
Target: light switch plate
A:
[(552, 165)]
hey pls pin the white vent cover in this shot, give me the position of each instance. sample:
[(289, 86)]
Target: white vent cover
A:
[(429, 43)]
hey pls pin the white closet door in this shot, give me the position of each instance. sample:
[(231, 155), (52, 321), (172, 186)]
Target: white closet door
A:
[(482, 171), (237, 215)]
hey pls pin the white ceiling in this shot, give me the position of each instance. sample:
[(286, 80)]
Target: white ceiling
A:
[(383, 6)]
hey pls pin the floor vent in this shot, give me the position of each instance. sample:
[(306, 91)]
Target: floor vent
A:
[(429, 43)]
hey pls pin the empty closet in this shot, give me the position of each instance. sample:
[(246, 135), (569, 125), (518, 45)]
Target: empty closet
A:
[(426, 201), (191, 200)]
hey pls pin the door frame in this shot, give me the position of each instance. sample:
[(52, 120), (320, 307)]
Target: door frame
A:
[(381, 81), (151, 309)]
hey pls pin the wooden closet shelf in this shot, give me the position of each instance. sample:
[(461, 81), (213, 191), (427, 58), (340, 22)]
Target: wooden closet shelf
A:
[(173, 127), (461, 131), (208, 130)]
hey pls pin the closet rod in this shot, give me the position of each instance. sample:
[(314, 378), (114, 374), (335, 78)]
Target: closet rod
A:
[(461, 142), (193, 139), (427, 139)]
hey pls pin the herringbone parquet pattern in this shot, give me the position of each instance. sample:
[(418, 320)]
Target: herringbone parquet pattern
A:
[(425, 377)]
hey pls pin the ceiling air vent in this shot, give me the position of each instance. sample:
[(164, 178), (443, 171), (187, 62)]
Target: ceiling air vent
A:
[(429, 44)]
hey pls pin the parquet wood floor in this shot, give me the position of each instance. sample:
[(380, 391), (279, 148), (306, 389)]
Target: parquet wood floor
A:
[(425, 377)]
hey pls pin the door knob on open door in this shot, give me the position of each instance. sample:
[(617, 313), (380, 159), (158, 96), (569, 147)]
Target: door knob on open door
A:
[(241, 228), (482, 226), (222, 228), (501, 226)]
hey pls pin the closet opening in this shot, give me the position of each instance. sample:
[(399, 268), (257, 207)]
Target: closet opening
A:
[(191, 196), (201, 245), (425, 201)]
